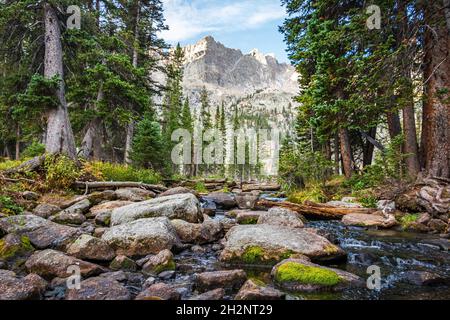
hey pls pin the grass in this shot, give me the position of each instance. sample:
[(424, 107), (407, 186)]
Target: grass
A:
[(314, 193), (8, 206), (118, 172), (297, 272), (200, 187), (408, 219)]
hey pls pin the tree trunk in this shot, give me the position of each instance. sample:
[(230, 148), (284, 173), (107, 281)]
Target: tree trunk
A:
[(336, 155), (60, 137), (131, 124), (92, 141), (17, 142), (394, 125), (436, 113), (369, 148), (346, 152)]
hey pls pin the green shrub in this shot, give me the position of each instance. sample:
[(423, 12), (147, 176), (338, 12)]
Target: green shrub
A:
[(368, 201), (60, 172), (314, 193), (33, 150), (8, 206), (200, 187), (408, 219), (8, 164), (119, 172)]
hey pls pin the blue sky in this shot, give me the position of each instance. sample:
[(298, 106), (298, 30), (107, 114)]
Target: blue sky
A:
[(239, 24)]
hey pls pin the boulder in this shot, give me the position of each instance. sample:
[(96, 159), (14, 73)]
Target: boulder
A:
[(98, 197), (90, 248), (45, 210), (369, 220), (223, 200), (80, 207), (256, 290), (141, 237), (246, 200), (269, 244), (50, 264), (423, 278), (230, 279), (64, 217), (216, 294), (134, 194), (180, 206), (99, 288), (281, 217), (200, 233), (14, 249), (122, 262), (30, 287), (159, 291), (41, 232), (437, 225), (178, 190), (248, 217), (103, 219), (30, 195), (424, 218), (301, 275), (107, 207), (158, 263), (387, 206)]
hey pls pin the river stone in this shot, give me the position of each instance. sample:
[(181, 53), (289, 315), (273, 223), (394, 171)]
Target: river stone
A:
[(64, 217), (103, 219), (223, 200), (301, 275), (50, 264), (423, 278), (134, 194), (41, 232), (45, 210), (141, 237), (178, 190), (14, 250), (100, 196), (30, 287), (159, 291), (91, 248), (216, 294), (180, 206), (246, 200), (99, 288), (386, 206), (268, 244), (230, 279), (107, 207), (80, 207), (200, 233), (122, 262), (281, 217), (368, 220), (158, 263), (257, 290)]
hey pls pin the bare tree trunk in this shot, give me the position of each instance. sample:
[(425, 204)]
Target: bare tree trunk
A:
[(60, 137), (369, 148), (336, 155), (436, 113), (17, 142), (92, 141), (394, 125), (346, 152), (131, 124)]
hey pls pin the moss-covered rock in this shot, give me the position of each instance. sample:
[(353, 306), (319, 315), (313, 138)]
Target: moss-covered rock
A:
[(301, 275), (13, 245), (158, 263)]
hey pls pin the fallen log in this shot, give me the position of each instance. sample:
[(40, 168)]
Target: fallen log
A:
[(96, 185), (315, 210), (261, 187), (30, 165)]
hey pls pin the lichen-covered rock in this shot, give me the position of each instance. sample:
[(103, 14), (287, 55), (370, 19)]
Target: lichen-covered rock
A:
[(134, 194), (99, 288), (257, 290), (269, 244), (180, 206), (301, 275), (141, 237), (103, 219), (41, 232), (200, 233), (80, 207), (158, 263), (229, 279), (90, 248), (30, 287), (178, 190), (246, 200), (369, 220), (98, 197), (216, 294), (223, 200), (14, 250), (122, 262), (50, 264), (281, 217), (159, 291), (45, 210)]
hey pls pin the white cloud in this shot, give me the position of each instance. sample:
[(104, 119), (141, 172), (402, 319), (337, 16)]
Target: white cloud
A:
[(190, 18)]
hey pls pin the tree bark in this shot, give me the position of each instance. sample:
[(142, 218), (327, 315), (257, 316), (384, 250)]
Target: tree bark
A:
[(346, 152), (394, 125), (17, 142), (336, 155), (369, 148), (436, 112), (60, 137), (92, 141)]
